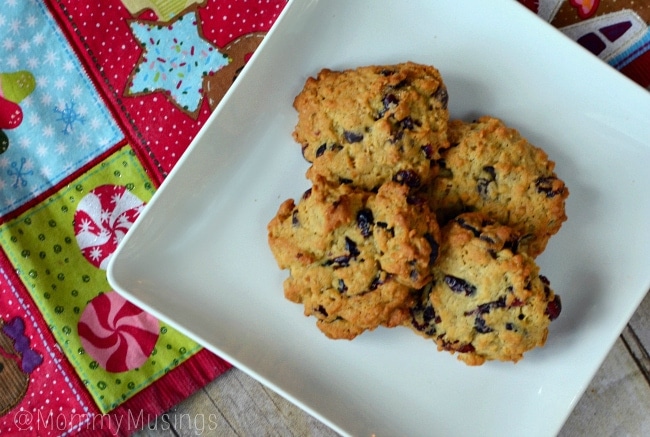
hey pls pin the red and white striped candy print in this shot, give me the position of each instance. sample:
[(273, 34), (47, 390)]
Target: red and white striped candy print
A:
[(116, 333), (102, 219)]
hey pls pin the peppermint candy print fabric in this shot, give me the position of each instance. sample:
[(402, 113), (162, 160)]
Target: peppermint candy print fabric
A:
[(116, 333), (102, 219), (115, 348)]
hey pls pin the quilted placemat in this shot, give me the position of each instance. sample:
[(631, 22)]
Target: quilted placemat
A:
[(98, 101)]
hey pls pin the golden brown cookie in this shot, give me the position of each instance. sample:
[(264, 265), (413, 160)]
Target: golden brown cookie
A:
[(491, 168), (487, 299), (354, 256), (373, 124)]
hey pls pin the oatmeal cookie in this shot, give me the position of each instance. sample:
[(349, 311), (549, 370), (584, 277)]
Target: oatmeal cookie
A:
[(491, 168), (354, 256), (373, 124), (487, 299)]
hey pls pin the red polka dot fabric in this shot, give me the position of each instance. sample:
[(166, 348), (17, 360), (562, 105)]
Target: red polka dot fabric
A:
[(159, 130)]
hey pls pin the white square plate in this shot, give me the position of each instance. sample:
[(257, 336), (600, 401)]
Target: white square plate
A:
[(198, 257)]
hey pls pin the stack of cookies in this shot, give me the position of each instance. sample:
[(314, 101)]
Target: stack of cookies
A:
[(416, 220)]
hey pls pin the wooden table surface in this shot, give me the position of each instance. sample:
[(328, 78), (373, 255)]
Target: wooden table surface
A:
[(616, 403)]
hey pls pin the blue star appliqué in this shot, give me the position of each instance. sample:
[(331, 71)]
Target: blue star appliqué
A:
[(175, 59)]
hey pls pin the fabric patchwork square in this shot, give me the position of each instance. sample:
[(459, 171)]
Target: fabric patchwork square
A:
[(41, 394), (60, 248), (52, 120)]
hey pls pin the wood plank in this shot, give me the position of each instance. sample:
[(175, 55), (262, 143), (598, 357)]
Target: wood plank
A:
[(617, 402), (251, 409), (640, 323), (195, 416)]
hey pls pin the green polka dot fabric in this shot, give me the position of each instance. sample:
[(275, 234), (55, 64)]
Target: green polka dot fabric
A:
[(60, 249)]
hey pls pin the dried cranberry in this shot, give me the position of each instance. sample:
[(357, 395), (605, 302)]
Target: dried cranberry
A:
[(458, 285), (512, 244), (456, 347), (554, 308), (337, 262), (423, 315), (407, 123), (321, 309), (408, 178), (442, 96), (463, 224), (481, 326), (376, 282), (351, 247), (344, 260), (466, 348), (545, 186), (365, 221), (413, 199), (352, 137), (435, 247), (390, 100), (488, 176), (428, 151)]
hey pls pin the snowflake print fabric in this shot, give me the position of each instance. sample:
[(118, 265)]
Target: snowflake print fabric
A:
[(64, 122), (102, 219)]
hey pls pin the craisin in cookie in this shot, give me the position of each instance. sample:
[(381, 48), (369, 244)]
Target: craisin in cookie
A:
[(491, 168), (487, 299), (354, 256), (373, 124)]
